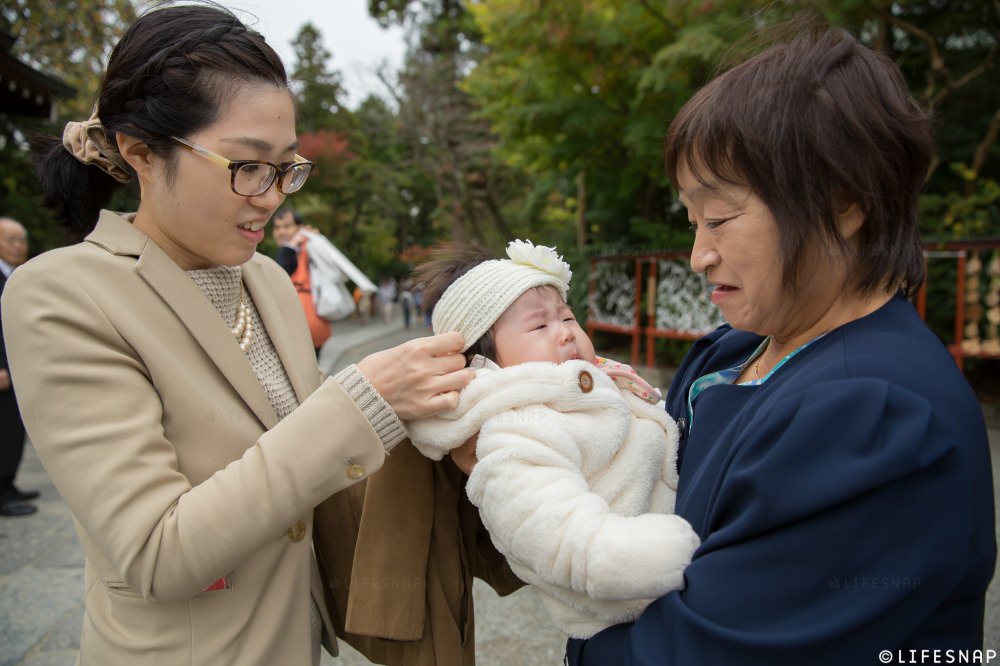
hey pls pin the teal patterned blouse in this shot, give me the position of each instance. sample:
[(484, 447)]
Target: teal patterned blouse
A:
[(729, 376)]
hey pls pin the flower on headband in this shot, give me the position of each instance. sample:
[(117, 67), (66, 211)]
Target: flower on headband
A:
[(538, 256)]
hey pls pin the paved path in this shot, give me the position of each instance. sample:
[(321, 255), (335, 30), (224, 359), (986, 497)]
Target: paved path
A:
[(41, 566)]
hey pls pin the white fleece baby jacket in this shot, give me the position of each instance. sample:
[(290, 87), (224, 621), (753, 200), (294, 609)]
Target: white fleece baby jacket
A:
[(576, 483)]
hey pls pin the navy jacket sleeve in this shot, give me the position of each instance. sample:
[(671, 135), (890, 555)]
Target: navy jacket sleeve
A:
[(287, 258), (836, 523)]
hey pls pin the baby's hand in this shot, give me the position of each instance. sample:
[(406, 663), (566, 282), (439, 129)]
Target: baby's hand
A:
[(627, 379), (464, 456)]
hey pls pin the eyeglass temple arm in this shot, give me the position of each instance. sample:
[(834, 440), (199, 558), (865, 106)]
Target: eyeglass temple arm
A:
[(208, 154)]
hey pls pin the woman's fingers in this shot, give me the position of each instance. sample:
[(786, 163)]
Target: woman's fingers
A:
[(445, 343), (442, 402), (421, 377), (432, 394), (453, 381)]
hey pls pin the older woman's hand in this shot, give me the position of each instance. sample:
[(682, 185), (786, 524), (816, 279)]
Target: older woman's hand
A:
[(421, 377)]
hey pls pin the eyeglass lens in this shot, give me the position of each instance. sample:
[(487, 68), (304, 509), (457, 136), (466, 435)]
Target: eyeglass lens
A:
[(293, 179), (252, 179)]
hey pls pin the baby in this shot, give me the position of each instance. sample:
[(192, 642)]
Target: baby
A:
[(576, 475)]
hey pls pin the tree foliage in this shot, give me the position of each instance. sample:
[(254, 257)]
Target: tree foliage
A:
[(320, 90), (68, 40), (586, 89), (478, 196), (514, 118), (365, 194), (948, 50), (580, 93), (71, 39)]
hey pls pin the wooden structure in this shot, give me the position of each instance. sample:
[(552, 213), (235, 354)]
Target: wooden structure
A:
[(25, 91), (630, 324), (976, 315), (637, 280)]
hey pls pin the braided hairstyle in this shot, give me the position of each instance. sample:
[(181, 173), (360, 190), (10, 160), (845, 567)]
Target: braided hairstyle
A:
[(169, 75)]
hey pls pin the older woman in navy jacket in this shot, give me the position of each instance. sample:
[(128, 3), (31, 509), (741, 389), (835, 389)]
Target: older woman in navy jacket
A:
[(836, 465)]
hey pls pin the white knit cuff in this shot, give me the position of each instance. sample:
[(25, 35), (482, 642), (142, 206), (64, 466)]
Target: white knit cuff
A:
[(378, 412)]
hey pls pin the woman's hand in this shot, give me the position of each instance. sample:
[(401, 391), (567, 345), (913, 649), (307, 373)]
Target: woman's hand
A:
[(464, 456), (421, 377), (301, 234)]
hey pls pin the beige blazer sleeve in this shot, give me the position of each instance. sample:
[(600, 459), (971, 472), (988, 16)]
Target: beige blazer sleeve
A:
[(169, 473)]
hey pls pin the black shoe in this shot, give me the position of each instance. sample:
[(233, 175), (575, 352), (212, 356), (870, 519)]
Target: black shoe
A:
[(16, 507), (24, 495)]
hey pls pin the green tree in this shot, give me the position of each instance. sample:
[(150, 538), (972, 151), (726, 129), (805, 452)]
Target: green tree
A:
[(478, 195), (364, 195), (948, 50), (389, 206), (581, 92), (319, 90)]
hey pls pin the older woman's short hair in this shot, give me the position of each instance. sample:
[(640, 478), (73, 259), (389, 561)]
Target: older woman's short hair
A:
[(812, 125)]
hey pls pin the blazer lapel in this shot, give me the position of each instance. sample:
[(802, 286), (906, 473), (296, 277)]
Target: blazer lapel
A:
[(277, 328), (194, 309), (117, 235)]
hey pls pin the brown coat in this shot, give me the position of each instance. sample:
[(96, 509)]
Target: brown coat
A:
[(405, 595)]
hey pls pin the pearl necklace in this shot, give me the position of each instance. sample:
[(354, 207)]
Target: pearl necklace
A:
[(243, 331)]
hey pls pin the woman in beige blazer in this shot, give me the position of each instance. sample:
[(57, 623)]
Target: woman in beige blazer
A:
[(165, 370)]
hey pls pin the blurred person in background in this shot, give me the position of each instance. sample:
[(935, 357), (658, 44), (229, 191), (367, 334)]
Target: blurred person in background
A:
[(387, 293), (406, 301), (288, 231), (13, 500)]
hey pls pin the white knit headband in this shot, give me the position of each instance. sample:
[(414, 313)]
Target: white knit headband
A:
[(473, 303)]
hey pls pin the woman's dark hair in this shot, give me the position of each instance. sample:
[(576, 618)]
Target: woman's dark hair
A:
[(169, 75), (447, 263), (812, 125)]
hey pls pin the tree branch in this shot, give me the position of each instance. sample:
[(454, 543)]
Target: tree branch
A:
[(933, 95), (491, 205), (389, 85), (983, 149), (655, 14), (937, 63), (966, 78)]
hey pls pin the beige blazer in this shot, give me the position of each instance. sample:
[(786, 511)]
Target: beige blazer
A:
[(153, 427)]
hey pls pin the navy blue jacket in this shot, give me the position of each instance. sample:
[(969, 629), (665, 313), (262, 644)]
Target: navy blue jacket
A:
[(845, 507)]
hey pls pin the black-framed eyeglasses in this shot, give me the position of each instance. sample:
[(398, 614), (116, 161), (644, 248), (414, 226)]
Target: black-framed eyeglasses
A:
[(253, 177)]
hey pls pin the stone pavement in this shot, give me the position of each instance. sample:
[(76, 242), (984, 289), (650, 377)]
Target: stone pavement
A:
[(41, 566)]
